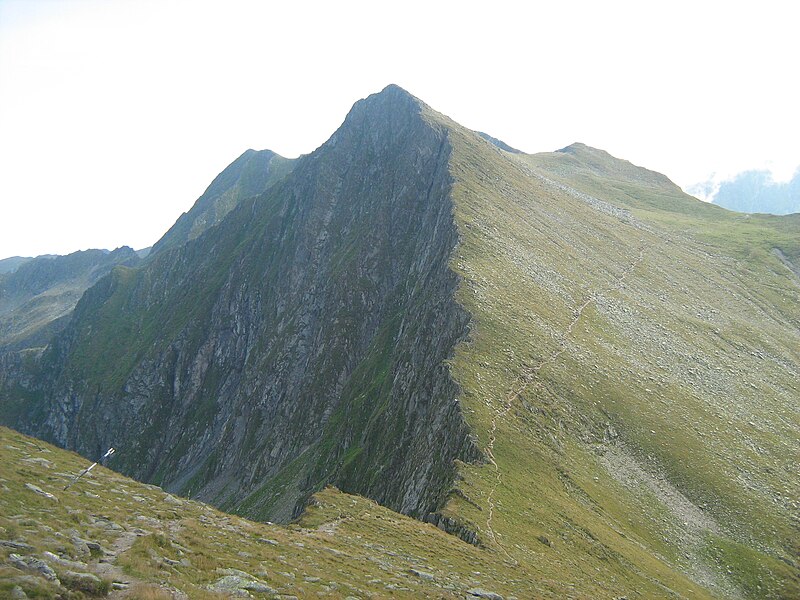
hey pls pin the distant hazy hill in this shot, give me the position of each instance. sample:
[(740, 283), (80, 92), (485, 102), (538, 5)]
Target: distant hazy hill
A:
[(9, 265), (39, 293), (755, 192)]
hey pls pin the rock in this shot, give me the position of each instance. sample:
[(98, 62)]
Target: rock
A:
[(37, 490), (16, 545), (258, 586), (17, 593), (31, 563), (452, 527), (83, 582), (422, 574), (63, 562), (80, 547), (42, 462), (311, 579), (108, 524), (237, 572), (94, 548), (239, 586), (267, 541), (481, 593), (227, 585), (170, 499), (544, 540)]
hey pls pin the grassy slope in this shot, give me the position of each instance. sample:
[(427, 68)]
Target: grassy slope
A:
[(633, 375), (344, 545)]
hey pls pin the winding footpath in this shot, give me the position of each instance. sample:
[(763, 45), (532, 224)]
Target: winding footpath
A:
[(524, 381)]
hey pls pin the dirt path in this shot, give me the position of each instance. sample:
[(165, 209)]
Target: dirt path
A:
[(108, 569), (523, 384)]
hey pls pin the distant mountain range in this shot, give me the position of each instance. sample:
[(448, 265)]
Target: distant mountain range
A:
[(753, 192), (37, 295), (584, 374)]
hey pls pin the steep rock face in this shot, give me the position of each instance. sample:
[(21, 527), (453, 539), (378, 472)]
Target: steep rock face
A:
[(303, 341), (249, 175)]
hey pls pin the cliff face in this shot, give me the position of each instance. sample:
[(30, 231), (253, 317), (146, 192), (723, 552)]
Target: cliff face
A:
[(302, 341)]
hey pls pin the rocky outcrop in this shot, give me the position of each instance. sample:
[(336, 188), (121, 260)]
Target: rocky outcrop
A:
[(300, 342)]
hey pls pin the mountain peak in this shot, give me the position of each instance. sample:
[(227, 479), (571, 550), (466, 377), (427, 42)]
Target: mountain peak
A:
[(581, 148), (391, 99), (379, 118), (605, 164)]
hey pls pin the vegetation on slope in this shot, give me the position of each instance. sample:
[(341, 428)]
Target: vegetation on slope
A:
[(631, 373), (135, 541)]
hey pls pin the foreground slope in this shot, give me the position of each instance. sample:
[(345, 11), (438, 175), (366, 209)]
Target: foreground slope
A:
[(110, 534)]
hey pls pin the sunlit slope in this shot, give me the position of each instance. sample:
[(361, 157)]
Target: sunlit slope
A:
[(110, 534), (632, 373)]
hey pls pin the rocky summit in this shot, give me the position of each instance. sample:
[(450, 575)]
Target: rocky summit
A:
[(583, 375)]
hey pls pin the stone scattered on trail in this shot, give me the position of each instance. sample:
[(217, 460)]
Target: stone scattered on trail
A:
[(481, 593), (63, 562), (31, 563), (239, 583), (37, 490), (422, 574)]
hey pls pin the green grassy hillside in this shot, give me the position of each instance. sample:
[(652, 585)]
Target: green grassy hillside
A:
[(137, 542), (632, 374)]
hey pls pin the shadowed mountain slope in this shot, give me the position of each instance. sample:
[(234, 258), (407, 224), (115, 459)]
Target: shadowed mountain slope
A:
[(300, 342)]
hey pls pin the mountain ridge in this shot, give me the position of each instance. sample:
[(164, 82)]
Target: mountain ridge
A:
[(560, 357), (357, 257)]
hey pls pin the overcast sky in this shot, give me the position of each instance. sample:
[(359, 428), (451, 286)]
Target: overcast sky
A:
[(115, 115)]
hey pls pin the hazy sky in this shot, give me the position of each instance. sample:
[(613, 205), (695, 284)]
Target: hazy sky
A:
[(115, 115)]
